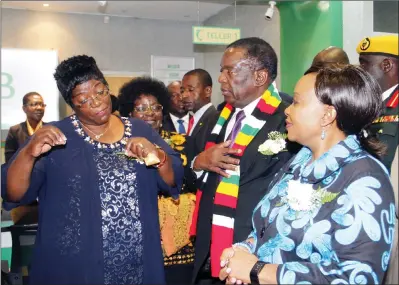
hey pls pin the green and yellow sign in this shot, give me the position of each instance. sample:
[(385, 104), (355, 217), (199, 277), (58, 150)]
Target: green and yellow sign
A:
[(215, 35)]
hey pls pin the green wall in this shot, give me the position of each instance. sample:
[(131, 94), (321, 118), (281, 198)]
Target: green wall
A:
[(306, 30)]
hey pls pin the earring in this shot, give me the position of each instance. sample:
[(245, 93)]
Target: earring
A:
[(323, 134)]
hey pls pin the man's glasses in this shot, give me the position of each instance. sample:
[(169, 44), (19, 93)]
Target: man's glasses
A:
[(147, 108), (88, 101), (35, 105)]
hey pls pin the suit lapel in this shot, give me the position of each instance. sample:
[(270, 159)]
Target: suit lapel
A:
[(203, 120), (24, 129), (251, 154), (168, 123)]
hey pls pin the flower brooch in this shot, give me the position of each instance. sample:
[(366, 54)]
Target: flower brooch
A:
[(274, 144), (302, 197)]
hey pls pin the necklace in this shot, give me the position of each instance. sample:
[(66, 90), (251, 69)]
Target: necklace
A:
[(97, 136)]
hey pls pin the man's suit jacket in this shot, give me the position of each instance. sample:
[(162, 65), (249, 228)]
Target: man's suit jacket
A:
[(199, 135), (167, 124), (16, 137), (257, 171), (285, 97)]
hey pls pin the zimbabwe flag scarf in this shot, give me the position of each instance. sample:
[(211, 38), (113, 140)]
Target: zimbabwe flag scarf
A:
[(225, 201)]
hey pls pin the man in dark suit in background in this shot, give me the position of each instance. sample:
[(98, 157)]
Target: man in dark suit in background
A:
[(178, 118), (33, 106), (196, 91), (248, 68)]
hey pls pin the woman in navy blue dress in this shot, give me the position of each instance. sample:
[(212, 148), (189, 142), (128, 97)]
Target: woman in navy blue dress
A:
[(97, 186), (328, 216)]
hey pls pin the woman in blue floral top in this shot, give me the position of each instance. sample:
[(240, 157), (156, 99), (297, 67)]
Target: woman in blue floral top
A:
[(328, 217)]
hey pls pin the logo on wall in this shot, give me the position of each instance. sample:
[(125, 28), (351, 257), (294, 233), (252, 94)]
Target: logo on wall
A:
[(7, 88), (365, 44)]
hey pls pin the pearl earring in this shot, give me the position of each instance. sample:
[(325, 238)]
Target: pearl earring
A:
[(323, 134)]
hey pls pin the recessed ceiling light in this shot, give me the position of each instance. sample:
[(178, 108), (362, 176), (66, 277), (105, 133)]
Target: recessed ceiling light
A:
[(46, 5)]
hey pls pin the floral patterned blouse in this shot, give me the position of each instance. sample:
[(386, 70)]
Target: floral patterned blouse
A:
[(330, 221)]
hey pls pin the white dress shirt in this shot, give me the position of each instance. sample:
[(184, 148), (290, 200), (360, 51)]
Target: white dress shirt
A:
[(388, 92), (197, 115), (175, 119)]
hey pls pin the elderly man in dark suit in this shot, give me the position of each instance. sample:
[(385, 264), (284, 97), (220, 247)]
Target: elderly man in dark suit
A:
[(33, 106), (232, 170)]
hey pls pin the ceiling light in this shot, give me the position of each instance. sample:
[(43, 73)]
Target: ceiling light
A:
[(46, 5), (102, 3)]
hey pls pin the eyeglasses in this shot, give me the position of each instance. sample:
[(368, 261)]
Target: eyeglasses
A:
[(147, 108), (88, 101), (35, 105)]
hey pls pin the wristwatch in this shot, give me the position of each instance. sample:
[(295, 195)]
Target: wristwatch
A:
[(256, 269)]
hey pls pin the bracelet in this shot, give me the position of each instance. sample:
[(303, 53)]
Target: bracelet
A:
[(256, 269), (162, 163), (245, 244)]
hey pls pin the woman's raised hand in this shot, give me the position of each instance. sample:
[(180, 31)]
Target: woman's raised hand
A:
[(44, 139)]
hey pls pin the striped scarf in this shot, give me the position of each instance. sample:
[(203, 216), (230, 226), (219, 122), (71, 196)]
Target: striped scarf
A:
[(225, 201)]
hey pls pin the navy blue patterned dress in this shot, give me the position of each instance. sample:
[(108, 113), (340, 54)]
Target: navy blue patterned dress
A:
[(98, 210), (344, 235)]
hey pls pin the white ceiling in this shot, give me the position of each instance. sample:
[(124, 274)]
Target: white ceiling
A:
[(159, 10)]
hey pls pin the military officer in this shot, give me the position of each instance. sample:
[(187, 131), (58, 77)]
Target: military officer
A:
[(379, 56)]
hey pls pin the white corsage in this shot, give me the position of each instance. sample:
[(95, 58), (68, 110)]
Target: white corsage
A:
[(302, 197), (274, 144)]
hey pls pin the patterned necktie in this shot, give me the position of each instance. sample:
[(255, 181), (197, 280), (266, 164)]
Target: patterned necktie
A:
[(181, 129), (237, 127)]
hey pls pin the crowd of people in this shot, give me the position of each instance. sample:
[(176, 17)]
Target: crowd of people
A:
[(159, 186)]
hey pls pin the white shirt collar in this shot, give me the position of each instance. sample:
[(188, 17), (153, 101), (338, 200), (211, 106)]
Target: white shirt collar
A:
[(249, 108), (388, 92), (200, 112), (185, 118)]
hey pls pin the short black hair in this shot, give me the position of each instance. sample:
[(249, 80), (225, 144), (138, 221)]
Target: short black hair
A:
[(74, 71), (203, 75), (25, 99), (261, 51), (133, 89), (356, 97)]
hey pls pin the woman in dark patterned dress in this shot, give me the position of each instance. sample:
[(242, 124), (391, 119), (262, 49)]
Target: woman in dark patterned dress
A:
[(98, 214)]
